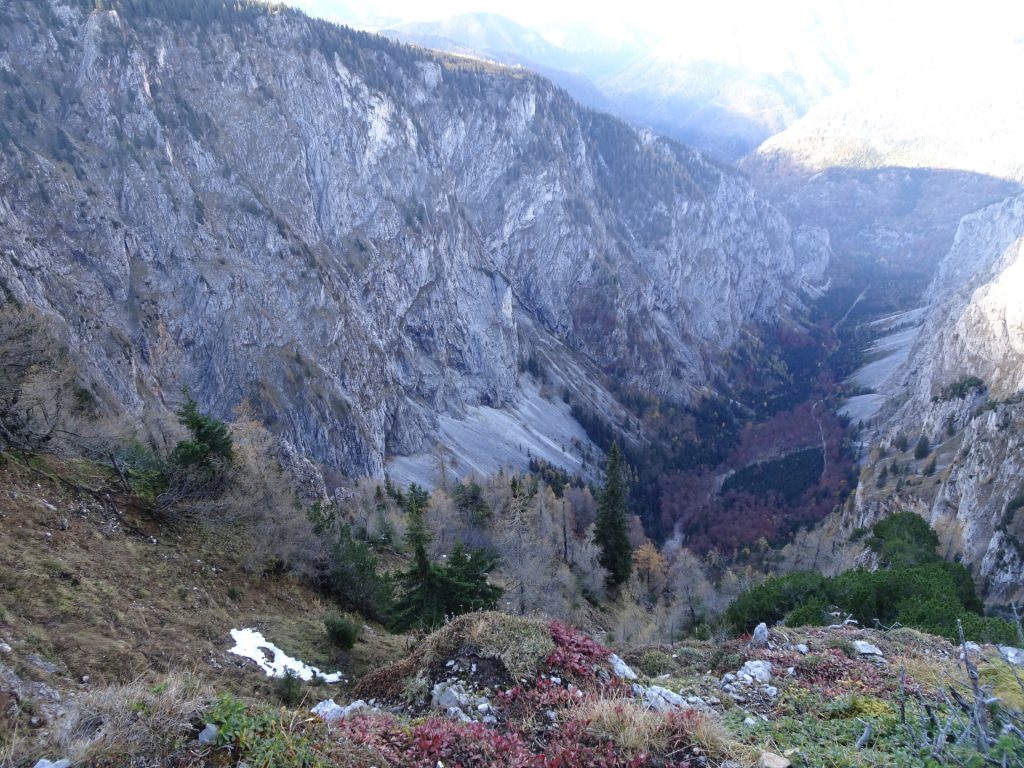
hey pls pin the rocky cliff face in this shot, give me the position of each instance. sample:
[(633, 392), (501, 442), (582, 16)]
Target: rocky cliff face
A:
[(354, 236), (961, 389)]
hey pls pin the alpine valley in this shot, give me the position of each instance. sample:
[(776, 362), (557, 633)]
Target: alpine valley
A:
[(437, 361)]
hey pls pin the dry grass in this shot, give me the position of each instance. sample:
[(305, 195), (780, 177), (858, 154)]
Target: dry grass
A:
[(635, 730), (104, 589), (519, 643), (929, 672), (626, 723), (137, 723), (717, 743), (1000, 677)]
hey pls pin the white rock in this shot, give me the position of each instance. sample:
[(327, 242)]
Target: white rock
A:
[(1013, 655), (449, 696), (5, 648), (758, 670), (354, 707), (760, 636), (208, 736), (867, 649), (802, 648), (458, 714), (621, 668), (771, 760), (328, 711), (771, 690), (663, 700)]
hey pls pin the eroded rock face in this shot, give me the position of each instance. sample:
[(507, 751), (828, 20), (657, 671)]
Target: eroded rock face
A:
[(353, 236), (961, 388)]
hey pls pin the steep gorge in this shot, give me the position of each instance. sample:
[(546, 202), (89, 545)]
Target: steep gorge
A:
[(354, 236)]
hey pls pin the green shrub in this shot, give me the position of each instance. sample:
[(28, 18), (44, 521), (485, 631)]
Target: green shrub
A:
[(653, 663), (904, 539), (960, 389), (342, 631), (774, 598), (989, 629), (814, 614), (289, 689), (918, 590)]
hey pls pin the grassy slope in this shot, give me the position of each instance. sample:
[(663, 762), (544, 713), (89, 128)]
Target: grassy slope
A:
[(95, 584), (92, 582)]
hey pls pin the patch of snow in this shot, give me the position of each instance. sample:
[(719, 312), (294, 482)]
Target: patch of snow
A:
[(251, 644)]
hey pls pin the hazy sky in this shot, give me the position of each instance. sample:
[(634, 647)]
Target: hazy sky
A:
[(745, 31)]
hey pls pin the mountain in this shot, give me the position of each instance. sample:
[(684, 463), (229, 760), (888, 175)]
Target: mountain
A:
[(712, 99), (488, 32), (359, 239), (727, 104), (496, 38), (952, 416)]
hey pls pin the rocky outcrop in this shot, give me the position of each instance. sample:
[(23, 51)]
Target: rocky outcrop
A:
[(962, 390), (351, 235)]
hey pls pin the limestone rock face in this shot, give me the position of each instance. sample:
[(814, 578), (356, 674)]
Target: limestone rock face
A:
[(962, 388), (354, 236)]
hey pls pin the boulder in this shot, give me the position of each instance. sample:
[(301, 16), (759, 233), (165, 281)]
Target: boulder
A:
[(208, 736), (760, 636), (663, 700), (867, 649), (448, 696), (621, 668), (1013, 655), (758, 670), (328, 711), (771, 760)]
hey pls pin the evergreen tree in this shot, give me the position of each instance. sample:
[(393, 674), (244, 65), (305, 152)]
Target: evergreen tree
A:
[(610, 531), (468, 569), (417, 534), (428, 592), (923, 448), (211, 439)]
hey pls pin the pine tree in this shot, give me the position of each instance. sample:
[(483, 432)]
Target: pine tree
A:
[(430, 592), (610, 532), (211, 439)]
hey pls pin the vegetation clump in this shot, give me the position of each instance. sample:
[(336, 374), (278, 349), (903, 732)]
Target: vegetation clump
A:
[(916, 588), (342, 631)]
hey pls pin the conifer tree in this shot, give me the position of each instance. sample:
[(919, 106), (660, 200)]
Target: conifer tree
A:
[(430, 592), (610, 531)]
